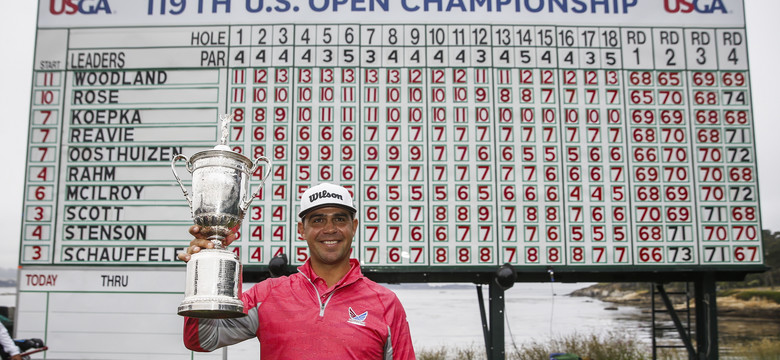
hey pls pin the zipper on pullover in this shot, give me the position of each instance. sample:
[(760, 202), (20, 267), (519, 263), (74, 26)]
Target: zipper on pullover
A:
[(323, 305), (317, 292)]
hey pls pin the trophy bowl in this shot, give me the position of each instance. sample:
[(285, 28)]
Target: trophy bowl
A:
[(219, 201)]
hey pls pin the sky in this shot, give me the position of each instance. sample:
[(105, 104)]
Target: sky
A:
[(17, 36)]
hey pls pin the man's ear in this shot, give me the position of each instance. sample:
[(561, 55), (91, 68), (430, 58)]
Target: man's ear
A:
[(300, 227)]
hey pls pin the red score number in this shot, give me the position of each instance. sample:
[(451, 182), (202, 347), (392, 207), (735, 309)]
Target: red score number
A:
[(640, 78), (704, 79), (733, 79), (746, 253), (651, 254), (669, 79)]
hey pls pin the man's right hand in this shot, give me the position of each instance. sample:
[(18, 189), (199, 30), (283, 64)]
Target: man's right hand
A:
[(200, 242)]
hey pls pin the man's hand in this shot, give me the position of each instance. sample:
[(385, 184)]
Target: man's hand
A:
[(200, 242), (16, 357)]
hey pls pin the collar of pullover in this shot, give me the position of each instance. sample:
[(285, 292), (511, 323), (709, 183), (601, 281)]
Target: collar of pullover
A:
[(354, 274)]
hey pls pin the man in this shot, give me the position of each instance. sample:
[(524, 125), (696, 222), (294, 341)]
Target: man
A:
[(8, 348), (327, 310)]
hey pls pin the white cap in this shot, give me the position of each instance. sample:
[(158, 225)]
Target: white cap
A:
[(325, 194)]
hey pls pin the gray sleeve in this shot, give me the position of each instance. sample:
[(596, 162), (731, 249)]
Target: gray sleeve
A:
[(216, 333)]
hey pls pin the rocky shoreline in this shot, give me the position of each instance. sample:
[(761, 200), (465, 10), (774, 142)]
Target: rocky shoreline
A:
[(638, 294)]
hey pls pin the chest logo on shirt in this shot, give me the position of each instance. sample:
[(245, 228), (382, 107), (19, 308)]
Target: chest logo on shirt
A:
[(357, 319)]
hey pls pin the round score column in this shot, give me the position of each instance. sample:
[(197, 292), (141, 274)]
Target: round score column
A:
[(661, 172), (727, 190)]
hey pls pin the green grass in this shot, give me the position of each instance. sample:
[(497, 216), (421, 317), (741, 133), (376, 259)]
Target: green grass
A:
[(435, 354), (764, 349), (466, 353), (765, 294), (613, 346)]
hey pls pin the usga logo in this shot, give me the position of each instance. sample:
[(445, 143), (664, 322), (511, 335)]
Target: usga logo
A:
[(70, 7), (700, 6)]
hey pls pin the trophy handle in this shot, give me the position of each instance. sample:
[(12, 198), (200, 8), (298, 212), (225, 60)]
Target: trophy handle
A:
[(189, 168), (246, 202)]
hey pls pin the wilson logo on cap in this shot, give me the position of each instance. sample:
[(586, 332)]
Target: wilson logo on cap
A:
[(324, 194)]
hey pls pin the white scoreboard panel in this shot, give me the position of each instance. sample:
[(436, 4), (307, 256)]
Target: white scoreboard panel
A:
[(537, 133)]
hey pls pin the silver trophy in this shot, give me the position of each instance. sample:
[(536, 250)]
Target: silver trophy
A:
[(220, 198)]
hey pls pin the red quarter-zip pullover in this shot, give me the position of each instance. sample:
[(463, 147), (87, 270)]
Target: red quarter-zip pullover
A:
[(299, 317)]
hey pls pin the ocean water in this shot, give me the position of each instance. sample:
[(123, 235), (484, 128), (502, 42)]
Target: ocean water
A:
[(7, 296), (448, 315)]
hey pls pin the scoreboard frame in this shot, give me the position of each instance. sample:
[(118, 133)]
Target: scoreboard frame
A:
[(590, 143)]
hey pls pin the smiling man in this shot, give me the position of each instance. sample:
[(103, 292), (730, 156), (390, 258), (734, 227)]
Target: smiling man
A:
[(327, 310)]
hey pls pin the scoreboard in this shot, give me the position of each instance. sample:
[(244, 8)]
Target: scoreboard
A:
[(560, 133)]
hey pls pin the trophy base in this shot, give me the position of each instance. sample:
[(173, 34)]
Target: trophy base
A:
[(213, 287), (212, 310)]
